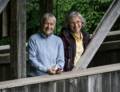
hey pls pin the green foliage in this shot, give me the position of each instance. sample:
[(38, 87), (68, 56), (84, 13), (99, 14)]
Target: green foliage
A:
[(92, 10), (61, 9), (4, 41), (33, 16)]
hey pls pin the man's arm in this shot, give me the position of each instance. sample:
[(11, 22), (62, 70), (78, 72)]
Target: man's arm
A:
[(32, 51), (60, 57)]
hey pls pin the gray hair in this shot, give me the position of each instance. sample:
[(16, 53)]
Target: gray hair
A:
[(74, 14), (46, 16)]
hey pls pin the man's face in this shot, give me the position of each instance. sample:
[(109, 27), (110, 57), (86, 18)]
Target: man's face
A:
[(48, 26), (75, 24)]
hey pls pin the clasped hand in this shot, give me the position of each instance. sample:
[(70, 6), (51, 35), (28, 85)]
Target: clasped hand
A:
[(54, 70)]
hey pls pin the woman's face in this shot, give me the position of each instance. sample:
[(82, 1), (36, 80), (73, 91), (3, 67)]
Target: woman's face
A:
[(75, 24)]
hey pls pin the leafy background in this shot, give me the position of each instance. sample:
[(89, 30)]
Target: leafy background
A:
[(92, 11)]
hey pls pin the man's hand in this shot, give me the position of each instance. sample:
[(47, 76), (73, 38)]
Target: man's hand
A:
[(52, 71), (58, 71)]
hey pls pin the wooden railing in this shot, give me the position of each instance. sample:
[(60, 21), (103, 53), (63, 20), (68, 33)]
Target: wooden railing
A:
[(97, 79)]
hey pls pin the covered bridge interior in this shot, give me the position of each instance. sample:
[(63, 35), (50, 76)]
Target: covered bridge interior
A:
[(97, 71)]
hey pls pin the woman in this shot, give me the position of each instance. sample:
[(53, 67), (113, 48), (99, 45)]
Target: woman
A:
[(74, 39)]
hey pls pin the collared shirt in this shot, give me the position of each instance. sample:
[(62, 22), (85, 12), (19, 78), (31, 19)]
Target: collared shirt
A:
[(44, 53), (79, 47)]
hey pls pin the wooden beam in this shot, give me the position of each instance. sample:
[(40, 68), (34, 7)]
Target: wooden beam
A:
[(4, 23), (114, 33), (99, 35), (5, 58), (4, 47), (110, 45), (3, 4), (18, 38), (0, 26)]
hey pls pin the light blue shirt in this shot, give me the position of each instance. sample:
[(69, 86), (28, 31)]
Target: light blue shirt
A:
[(44, 53)]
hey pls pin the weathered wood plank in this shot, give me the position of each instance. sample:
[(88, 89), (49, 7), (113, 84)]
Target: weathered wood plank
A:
[(34, 88), (4, 72), (115, 81), (101, 32), (61, 86), (0, 25), (4, 23), (95, 83), (105, 58), (3, 4), (104, 82), (5, 58), (67, 85), (113, 36), (110, 45), (19, 89), (4, 47), (71, 85), (3, 90), (82, 85), (114, 33), (18, 38), (43, 87)]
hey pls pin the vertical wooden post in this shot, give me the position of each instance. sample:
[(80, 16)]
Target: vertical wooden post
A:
[(18, 38), (0, 26), (4, 23)]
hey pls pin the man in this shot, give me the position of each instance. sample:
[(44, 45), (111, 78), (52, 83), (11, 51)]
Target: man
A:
[(45, 50)]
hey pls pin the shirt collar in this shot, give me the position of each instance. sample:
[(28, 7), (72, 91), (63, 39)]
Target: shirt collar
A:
[(44, 36)]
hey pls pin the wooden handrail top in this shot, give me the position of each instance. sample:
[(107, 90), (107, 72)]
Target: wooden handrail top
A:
[(113, 33), (65, 75), (4, 47), (5, 55)]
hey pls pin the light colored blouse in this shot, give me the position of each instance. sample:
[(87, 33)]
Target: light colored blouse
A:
[(79, 47)]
